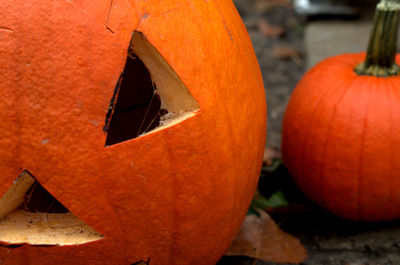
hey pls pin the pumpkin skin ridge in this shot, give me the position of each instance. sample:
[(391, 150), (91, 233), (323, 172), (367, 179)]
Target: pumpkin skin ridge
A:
[(392, 93), (360, 175), (371, 87), (365, 205), (315, 112), (394, 166), (310, 75), (390, 90), (310, 119), (339, 100)]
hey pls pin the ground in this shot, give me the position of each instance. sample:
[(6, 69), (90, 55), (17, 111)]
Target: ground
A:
[(287, 45)]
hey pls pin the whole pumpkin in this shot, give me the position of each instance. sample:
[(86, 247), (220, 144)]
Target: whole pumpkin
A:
[(174, 191), (341, 134)]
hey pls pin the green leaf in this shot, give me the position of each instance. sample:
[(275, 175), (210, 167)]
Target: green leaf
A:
[(276, 200)]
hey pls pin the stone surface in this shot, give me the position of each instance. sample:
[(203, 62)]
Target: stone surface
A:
[(328, 38)]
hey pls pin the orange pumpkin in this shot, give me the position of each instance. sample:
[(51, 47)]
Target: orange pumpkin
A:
[(145, 120), (341, 134)]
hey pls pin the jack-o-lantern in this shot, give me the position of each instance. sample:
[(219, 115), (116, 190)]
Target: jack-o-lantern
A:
[(130, 130)]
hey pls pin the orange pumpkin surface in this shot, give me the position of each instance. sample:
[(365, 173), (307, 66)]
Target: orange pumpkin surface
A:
[(341, 139), (341, 134), (175, 195)]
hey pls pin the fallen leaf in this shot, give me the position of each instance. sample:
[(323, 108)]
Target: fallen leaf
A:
[(260, 238), (270, 31), (284, 52)]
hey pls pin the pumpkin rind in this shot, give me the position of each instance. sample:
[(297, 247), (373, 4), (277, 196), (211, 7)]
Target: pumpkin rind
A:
[(176, 196), (341, 139)]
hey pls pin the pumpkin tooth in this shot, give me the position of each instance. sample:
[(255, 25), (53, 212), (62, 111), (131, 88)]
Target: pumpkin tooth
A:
[(21, 226)]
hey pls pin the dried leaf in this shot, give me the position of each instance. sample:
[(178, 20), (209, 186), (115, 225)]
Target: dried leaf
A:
[(261, 238), (270, 31), (284, 52)]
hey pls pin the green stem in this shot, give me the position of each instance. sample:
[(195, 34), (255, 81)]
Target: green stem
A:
[(381, 53)]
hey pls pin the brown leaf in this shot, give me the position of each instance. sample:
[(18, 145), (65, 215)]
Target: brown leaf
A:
[(283, 52), (270, 31), (261, 238), (271, 154)]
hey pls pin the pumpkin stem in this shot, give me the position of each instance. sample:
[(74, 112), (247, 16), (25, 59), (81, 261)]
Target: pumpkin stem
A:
[(381, 53)]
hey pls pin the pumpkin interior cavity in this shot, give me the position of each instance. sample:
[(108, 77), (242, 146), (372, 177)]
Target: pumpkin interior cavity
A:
[(149, 95), (31, 215)]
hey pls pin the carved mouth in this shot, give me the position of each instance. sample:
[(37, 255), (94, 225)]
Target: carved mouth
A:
[(31, 215)]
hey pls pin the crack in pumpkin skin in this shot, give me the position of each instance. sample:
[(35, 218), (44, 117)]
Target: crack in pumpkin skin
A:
[(108, 16), (7, 29)]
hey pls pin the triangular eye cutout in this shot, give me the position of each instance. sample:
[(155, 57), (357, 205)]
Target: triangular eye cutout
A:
[(31, 215), (149, 95)]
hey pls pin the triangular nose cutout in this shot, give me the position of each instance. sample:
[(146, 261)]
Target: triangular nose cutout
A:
[(31, 215)]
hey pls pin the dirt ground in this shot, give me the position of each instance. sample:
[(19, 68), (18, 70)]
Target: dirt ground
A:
[(277, 33)]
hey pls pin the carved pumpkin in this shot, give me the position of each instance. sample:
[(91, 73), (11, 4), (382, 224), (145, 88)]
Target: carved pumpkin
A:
[(131, 131), (341, 137)]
